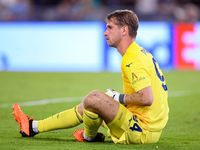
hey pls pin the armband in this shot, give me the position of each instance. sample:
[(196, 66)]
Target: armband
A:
[(122, 98)]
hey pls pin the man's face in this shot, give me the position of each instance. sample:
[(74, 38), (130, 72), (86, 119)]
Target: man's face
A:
[(112, 34)]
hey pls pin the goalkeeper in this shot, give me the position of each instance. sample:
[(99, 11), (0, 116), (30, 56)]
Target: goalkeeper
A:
[(138, 115)]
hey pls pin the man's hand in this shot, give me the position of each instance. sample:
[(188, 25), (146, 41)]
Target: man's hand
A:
[(120, 98)]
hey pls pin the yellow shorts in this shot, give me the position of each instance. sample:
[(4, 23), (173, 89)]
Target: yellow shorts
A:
[(125, 129)]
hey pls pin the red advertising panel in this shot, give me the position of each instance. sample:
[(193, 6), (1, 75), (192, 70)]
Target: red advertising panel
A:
[(187, 46)]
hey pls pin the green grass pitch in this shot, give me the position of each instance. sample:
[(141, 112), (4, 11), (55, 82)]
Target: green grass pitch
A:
[(182, 131)]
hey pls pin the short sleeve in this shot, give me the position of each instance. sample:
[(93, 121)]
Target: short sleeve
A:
[(137, 73)]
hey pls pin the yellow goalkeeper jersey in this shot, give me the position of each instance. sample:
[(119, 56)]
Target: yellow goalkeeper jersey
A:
[(140, 70)]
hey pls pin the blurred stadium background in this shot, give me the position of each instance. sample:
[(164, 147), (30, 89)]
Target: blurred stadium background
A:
[(67, 35)]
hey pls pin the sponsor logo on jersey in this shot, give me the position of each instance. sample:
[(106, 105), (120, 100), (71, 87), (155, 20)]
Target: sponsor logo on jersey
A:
[(134, 76), (138, 79)]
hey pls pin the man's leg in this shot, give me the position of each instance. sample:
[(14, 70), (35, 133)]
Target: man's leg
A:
[(92, 123), (97, 105), (91, 127), (65, 119)]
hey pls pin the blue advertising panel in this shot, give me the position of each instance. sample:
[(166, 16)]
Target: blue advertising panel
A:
[(71, 46), (75, 46)]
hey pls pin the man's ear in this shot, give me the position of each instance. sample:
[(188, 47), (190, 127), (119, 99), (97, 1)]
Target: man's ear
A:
[(124, 30)]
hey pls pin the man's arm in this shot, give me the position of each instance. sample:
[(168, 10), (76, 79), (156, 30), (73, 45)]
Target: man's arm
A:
[(144, 97)]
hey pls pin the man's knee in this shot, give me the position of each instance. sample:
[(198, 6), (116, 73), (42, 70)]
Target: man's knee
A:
[(92, 99)]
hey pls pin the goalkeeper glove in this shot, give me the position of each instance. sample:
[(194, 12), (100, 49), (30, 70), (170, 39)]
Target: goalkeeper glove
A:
[(116, 95)]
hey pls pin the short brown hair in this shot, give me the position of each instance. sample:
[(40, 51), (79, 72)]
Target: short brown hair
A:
[(125, 17)]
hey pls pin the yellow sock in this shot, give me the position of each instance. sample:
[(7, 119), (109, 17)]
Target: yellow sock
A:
[(62, 120), (91, 123)]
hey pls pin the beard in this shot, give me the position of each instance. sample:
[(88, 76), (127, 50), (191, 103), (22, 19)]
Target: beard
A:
[(113, 43)]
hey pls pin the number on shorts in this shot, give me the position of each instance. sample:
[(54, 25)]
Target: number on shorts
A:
[(135, 127)]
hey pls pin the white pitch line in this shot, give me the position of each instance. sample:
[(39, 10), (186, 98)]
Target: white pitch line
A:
[(75, 99), (45, 101)]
